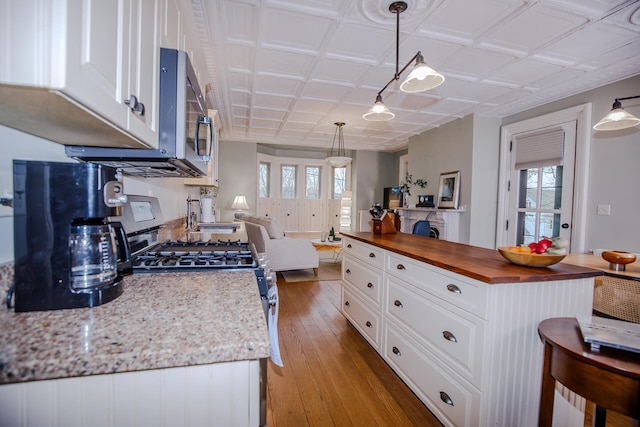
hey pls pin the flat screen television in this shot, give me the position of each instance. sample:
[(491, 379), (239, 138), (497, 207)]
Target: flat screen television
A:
[(392, 198)]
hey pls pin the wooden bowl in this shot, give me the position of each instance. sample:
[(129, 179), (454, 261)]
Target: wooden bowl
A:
[(530, 260), (618, 257)]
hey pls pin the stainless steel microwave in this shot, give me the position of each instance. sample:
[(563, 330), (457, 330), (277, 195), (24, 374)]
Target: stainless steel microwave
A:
[(185, 132)]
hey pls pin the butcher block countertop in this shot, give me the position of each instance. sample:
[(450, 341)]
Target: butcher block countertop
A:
[(160, 321), (482, 264)]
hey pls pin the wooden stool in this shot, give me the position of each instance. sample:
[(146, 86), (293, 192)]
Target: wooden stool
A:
[(609, 377)]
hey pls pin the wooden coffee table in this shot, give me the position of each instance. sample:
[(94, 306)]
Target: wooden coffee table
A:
[(335, 247)]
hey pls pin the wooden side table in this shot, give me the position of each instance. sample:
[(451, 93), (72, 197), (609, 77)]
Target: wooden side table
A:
[(609, 377)]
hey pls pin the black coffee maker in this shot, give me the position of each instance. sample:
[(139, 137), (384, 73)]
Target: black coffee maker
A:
[(67, 254)]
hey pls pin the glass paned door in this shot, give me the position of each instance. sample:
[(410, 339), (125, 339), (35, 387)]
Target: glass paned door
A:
[(540, 204), (540, 197)]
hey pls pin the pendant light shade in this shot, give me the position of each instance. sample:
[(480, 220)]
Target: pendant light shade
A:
[(618, 118), (379, 112), (421, 78), (338, 158)]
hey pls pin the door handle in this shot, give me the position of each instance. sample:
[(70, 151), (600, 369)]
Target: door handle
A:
[(565, 225)]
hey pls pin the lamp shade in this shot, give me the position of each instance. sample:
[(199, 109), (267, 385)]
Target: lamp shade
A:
[(617, 118), (421, 78), (240, 203), (338, 161), (379, 112)]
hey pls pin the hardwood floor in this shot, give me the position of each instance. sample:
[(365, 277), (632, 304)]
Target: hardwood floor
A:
[(331, 376)]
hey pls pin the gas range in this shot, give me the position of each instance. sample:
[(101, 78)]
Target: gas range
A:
[(195, 256)]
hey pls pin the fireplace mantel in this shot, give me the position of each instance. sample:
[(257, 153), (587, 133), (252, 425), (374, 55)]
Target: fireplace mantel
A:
[(446, 221)]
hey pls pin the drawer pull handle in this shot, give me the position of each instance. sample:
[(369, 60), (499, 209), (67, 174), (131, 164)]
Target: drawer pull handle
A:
[(368, 324), (372, 255), (347, 271), (445, 398), (454, 289), (396, 351), (349, 245), (400, 267), (346, 303), (369, 285), (449, 336), (397, 303)]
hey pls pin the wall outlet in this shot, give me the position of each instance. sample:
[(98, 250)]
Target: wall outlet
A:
[(603, 210)]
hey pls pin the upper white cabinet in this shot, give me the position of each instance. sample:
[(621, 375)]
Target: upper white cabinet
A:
[(85, 71)]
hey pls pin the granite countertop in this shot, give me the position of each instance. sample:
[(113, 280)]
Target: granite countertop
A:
[(485, 265), (160, 321)]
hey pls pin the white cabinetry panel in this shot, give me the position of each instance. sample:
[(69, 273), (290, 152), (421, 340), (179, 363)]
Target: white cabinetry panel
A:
[(86, 58), (225, 394)]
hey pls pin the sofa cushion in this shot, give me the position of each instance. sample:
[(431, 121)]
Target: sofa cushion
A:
[(274, 230)]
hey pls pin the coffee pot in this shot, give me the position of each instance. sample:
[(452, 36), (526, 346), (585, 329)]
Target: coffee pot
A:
[(67, 253), (94, 255)]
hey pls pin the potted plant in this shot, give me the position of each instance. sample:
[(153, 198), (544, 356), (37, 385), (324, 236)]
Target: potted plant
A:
[(405, 187)]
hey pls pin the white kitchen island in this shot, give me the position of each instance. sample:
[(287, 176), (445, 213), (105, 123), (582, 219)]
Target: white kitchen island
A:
[(459, 323)]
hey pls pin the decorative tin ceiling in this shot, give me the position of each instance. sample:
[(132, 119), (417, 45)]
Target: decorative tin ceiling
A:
[(283, 71)]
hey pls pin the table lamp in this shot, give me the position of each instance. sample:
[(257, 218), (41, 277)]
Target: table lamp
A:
[(239, 204)]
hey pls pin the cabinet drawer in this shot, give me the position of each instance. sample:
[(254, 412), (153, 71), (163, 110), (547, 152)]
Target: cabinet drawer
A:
[(453, 401), (362, 318), (453, 288), (364, 278), (367, 253), (452, 334)]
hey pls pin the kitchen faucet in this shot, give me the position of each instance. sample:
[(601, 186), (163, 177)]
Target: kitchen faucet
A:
[(191, 215)]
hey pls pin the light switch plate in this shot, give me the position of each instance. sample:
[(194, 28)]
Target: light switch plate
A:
[(603, 210)]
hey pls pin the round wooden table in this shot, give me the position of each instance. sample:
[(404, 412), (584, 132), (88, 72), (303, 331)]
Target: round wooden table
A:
[(610, 378)]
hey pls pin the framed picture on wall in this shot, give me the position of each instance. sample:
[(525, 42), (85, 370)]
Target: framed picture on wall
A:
[(448, 194)]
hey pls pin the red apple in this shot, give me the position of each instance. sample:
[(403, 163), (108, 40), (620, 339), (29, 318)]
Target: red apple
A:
[(533, 246), (543, 245)]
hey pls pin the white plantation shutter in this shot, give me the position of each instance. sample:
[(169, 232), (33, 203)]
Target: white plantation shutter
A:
[(539, 149)]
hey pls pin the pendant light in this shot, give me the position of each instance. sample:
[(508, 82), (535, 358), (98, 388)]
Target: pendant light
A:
[(421, 78), (339, 159), (618, 118)]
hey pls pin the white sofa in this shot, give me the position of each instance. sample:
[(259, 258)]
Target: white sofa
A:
[(283, 253)]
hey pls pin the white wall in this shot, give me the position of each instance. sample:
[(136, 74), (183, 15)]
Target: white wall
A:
[(237, 175), (614, 170), (469, 145), (19, 145)]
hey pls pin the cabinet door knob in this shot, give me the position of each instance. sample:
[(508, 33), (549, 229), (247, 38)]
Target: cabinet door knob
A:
[(396, 350), (347, 271), (368, 324), (400, 267), (346, 303), (349, 245), (134, 105), (445, 398), (449, 336), (369, 285), (453, 288), (372, 255), (397, 303)]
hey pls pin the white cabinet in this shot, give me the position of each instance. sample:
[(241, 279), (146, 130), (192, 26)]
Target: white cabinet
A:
[(211, 179), (220, 394), (311, 215), (468, 349), (288, 214), (362, 290), (77, 64)]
